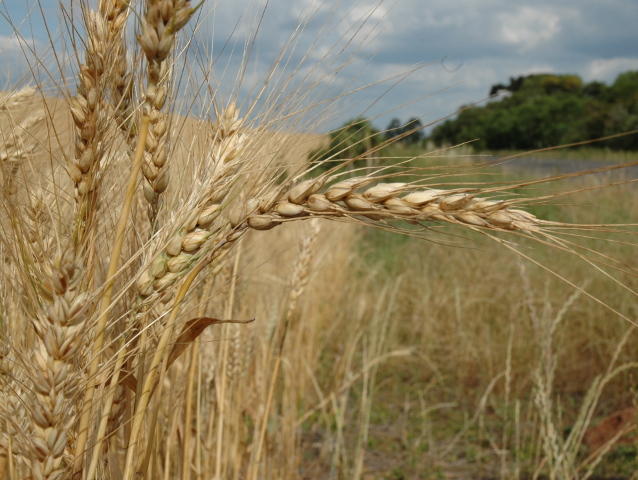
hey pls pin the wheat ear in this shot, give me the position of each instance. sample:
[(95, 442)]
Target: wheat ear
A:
[(389, 201), (121, 80), (55, 379), (202, 222), (89, 112), (380, 203), (15, 144), (59, 324), (15, 149), (160, 23)]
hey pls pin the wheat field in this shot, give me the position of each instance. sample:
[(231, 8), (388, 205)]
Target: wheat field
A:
[(186, 294)]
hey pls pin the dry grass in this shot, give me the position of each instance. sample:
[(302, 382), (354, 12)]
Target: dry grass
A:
[(128, 230)]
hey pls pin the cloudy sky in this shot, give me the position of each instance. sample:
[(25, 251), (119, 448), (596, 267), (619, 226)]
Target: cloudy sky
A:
[(455, 49)]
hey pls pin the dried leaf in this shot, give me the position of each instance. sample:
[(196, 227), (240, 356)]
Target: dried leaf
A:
[(192, 329), (126, 379)]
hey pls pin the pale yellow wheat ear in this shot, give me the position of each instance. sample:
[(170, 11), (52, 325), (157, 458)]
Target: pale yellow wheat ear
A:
[(45, 319)]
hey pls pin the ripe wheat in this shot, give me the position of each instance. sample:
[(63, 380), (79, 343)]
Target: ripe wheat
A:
[(92, 364)]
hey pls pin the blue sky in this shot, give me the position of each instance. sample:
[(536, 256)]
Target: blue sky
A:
[(461, 47)]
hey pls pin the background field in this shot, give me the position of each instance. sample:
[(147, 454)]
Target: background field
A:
[(417, 359)]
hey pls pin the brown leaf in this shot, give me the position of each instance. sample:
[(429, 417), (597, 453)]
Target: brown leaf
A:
[(192, 329), (126, 379)]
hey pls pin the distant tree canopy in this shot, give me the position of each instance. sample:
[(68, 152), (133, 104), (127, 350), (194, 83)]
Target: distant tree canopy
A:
[(355, 139), (410, 133), (546, 110)]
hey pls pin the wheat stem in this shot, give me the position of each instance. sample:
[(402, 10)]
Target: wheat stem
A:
[(150, 376), (104, 420), (221, 404), (188, 415), (107, 296)]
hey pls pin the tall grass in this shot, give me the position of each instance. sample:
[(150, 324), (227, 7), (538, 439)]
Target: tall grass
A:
[(128, 235)]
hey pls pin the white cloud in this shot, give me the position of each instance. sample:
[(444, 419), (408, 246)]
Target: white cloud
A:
[(15, 55), (487, 42), (529, 27), (9, 43), (374, 10), (607, 69)]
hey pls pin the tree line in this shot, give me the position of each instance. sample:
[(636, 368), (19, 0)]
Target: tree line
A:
[(537, 111), (358, 139), (532, 111)]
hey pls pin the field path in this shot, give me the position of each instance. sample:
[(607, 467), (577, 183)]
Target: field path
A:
[(542, 166)]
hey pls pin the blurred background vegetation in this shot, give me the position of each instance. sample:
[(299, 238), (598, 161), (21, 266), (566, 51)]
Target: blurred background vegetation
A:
[(531, 112), (539, 111), (474, 397)]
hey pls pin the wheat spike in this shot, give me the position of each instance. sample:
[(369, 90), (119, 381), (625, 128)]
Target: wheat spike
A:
[(160, 23)]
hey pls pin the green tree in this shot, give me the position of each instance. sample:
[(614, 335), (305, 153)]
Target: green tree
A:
[(595, 90), (624, 90), (413, 131), (545, 110), (394, 129), (468, 126), (355, 140)]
